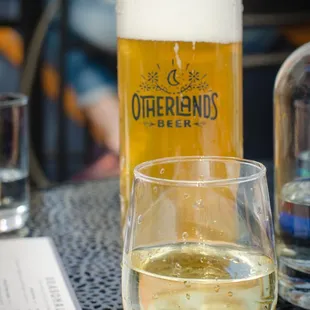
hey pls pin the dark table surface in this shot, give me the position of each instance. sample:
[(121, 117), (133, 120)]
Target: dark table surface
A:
[(83, 221)]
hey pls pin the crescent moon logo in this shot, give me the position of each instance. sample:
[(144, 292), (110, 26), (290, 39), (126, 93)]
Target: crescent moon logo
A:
[(172, 78)]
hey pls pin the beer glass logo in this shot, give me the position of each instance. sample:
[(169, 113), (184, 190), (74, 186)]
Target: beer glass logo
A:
[(177, 98)]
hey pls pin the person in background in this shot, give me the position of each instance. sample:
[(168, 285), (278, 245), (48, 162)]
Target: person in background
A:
[(90, 95), (11, 59)]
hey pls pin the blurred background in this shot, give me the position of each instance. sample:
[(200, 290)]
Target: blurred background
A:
[(70, 76)]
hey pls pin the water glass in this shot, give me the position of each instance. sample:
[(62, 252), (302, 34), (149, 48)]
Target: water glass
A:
[(14, 164), (199, 235)]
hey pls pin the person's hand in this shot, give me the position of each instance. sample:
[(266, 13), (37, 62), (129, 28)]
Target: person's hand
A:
[(105, 167), (103, 118)]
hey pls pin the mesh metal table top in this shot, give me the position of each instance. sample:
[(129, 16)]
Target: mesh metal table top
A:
[(83, 220)]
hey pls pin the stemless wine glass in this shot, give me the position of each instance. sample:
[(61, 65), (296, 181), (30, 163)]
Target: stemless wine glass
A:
[(199, 235)]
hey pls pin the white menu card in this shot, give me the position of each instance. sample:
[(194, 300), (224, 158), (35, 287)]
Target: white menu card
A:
[(32, 276)]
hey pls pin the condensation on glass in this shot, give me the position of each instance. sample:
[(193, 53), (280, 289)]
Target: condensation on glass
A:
[(292, 176)]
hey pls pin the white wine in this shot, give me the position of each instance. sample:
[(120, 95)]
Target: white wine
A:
[(193, 276)]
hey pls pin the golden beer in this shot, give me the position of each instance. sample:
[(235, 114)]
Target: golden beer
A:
[(180, 81)]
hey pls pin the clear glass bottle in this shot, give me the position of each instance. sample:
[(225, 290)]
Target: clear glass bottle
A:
[(292, 176)]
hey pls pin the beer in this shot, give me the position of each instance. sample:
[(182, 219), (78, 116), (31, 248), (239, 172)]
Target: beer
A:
[(195, 276), (180, 81)]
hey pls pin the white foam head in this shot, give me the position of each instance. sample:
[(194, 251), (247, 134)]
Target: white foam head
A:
[(180, 20)]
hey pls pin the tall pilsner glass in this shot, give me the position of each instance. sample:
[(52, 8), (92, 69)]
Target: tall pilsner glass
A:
[(180, 81)]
